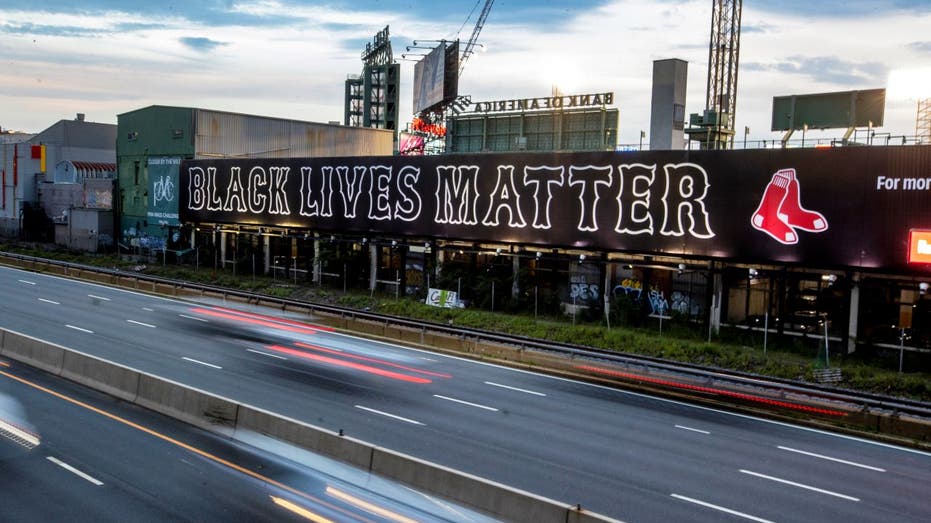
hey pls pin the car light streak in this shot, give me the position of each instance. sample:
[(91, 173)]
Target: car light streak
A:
[(349, 364), (299, 510), (373, 360), (276, 320), (264, 321), (709, 390), (181, 444), (369, 507)]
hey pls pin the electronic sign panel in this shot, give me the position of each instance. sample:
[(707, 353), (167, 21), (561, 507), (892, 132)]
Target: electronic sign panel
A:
[(840, 110)]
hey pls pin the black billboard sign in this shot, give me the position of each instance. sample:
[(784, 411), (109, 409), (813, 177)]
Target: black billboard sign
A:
[(842, 207)]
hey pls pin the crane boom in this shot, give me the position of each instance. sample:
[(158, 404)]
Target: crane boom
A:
[(472, 39)]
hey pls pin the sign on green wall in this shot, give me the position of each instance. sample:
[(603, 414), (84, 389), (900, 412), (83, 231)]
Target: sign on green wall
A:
[(163, 191)]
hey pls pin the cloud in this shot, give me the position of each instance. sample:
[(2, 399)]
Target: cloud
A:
[(29, 29), (827, 69), (200, 44), (921, 47)]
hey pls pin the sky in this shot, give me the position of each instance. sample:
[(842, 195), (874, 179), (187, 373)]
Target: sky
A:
[(290, 58)]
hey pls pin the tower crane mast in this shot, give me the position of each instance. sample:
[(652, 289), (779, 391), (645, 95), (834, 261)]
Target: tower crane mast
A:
[(470, 45), (715, 128)]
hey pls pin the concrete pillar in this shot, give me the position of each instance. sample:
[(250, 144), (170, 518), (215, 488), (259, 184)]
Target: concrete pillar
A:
[(717, 294), (267, 246), (222, 249), (515, 285), (373, 266), (317, 261), (853, 320)]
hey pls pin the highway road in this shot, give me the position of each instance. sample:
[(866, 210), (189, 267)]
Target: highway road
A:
[(100, 459), (627, 455)]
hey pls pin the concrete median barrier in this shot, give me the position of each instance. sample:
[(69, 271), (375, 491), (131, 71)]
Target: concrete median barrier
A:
[(500, 500), (38, 353), (187, 404), (308, 437), (110, 378)]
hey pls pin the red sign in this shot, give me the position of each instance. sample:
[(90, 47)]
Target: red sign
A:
[(919, 246)]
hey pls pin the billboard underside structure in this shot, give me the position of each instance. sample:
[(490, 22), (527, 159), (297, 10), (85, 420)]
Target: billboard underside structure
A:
[(843, 207)]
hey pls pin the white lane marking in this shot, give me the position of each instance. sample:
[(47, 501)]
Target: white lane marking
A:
[(148, 309), (75, 471), (98, 297), (201, 362), (683, 427), (476, 405), (27, 282), (722, 509), (49, 301), (267, 354), (140, 323), (829, 458), (79, 329), (493, 384), (392, 416), (193, 318), (800, 485)]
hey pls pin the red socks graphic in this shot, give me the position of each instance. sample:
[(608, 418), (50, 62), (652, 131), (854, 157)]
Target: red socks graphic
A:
[(781, 212)]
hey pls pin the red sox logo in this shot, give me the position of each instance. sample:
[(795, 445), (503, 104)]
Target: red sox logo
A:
[(781, 214)]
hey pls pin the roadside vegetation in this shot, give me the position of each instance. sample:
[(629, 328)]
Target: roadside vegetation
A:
[(676, 340)]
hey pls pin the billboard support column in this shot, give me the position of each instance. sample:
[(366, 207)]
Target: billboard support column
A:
[(317, 258), (373, 266), (852, 322), (714, 311), (267, 247), (515, 281), (223, 249)]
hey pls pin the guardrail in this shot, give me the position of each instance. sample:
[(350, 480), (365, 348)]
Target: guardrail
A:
[(862, 401)]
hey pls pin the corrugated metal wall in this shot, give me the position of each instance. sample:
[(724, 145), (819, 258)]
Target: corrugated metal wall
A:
[(231, 135)]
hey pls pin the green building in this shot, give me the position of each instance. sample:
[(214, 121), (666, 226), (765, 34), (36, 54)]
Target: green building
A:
[(152, 141)]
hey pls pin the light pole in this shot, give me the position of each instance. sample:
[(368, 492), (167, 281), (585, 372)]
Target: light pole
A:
[(643, 134), (746, 132)]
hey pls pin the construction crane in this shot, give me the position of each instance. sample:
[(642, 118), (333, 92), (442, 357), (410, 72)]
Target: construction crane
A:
[(470, 45), (714, 129)]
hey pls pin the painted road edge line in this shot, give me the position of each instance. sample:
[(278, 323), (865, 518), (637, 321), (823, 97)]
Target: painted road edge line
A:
[(75, 471), (722, 509), (829, 458), (392, 416)]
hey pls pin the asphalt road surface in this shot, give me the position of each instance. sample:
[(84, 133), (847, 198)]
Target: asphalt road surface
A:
[(626, 455), (100, 459)]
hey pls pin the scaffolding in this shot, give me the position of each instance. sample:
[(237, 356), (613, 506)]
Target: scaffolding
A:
[(923, 122)]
